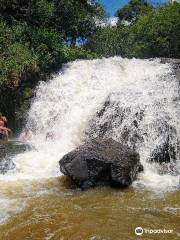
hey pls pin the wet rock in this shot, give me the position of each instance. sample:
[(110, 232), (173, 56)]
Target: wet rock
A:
[(128, 125), (168, 168), (163, 154), (6, 163), (173, 61), (111, 120), (167, 153), (2, 151), (101, 162), (169, 149)]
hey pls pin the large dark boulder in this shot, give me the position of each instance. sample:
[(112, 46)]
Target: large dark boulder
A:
[(101, 162), (6, 163)]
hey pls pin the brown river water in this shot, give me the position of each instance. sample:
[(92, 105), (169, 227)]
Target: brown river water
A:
[(52, 209)]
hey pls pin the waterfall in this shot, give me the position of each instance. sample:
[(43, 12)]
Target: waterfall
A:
[(143, 111)]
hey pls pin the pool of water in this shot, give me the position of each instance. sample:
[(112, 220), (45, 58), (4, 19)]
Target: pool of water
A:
[(52, 209)]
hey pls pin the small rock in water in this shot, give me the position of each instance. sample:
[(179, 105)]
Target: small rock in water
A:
[(101, 162), (6, 163)]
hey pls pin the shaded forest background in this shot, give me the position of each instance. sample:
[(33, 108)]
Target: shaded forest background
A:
[(38, 36)]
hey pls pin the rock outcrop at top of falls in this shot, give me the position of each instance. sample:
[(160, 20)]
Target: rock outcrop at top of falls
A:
[(114, 119), (101, 162)]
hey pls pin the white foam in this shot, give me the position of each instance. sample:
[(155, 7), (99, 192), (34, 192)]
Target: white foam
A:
[(9, 207)]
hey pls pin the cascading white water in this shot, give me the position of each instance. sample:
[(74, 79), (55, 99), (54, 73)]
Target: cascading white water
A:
[(63, 108)]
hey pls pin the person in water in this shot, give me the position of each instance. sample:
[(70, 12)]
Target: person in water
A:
[(4, 131)]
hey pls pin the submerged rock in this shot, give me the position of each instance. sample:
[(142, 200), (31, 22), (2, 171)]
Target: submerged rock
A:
[(101, 162), (6, 163)]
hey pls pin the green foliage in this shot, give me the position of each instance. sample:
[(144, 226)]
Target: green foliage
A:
[(108, 41), (133, 9), (36, 38), (72, 54), (33, 12), (15, 63), (25, 49), (76, 18), (156, 34), (15, 58), (72, 18)]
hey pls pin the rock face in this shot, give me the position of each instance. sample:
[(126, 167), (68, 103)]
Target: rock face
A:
[(128, 125), (6, 163), (168, 150), (168, 169), (101, 162), (111, 120), (164, 153)]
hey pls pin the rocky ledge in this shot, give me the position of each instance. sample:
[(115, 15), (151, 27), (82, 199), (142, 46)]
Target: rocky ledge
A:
[(101, 162)]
